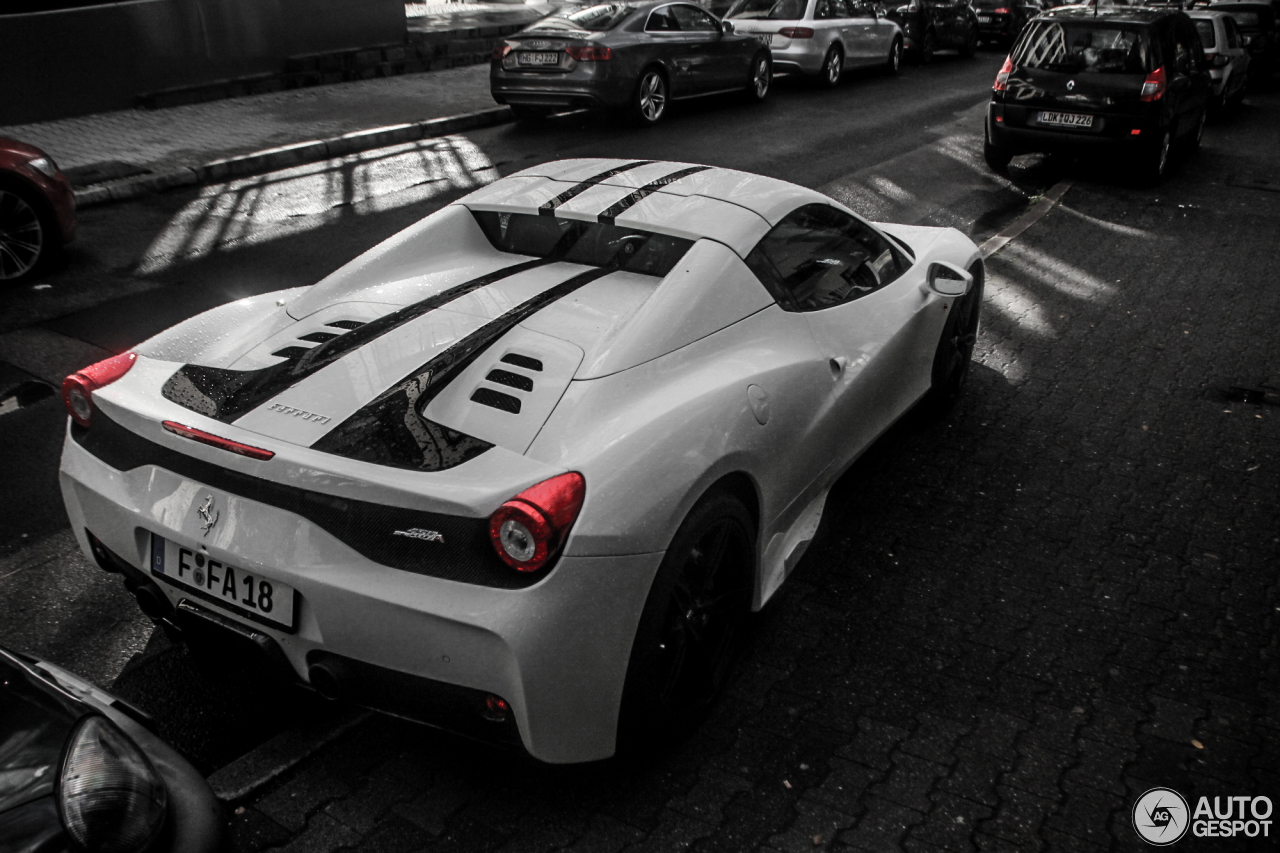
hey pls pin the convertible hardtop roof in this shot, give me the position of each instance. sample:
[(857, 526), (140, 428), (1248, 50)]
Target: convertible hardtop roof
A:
[(683, 199)]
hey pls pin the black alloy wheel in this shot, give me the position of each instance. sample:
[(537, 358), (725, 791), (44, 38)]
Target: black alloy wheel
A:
[(894, 64), (954, 354), (649, 103), (832, 67), (969, 49), (693, 621), (927, 47), (761, 77), (26, 233)]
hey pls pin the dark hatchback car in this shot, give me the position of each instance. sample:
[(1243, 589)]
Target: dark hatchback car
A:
[(1133, 82), (1260, 31), (1001, 21), (81, 771), (633, 57), (933, 25)]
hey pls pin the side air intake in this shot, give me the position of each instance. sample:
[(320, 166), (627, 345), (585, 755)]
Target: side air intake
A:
[(497, 400)]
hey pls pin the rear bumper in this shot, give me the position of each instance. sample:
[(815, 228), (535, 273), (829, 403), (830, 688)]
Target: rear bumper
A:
[(1012, 131), (591, 85), (556, 651), (803, 55)]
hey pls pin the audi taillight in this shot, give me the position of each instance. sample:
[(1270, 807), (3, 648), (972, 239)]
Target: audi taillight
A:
[(528, 530), (589, 52), (78, 388), (796, 32), (1002, 76), (501, 50), (1153, 87)]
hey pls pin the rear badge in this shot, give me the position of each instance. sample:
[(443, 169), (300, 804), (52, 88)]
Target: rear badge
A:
[(1071, 84), (208, 515), (424, 535), (298, 413)]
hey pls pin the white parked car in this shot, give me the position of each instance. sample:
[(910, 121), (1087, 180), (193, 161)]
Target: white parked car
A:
[(1225, 51), (524, 468), (821, 38)]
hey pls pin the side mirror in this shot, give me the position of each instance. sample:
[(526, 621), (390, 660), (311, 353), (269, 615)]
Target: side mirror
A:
[(948, 279), (726, 27)]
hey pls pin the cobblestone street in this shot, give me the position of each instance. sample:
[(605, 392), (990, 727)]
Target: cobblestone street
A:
[(1013, 623)]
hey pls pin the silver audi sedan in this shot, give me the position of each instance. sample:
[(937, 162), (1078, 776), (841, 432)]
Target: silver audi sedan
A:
[(821, 38), (632, 57)]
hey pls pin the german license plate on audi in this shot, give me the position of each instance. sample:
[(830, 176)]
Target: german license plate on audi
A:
[(984, 19), (540, 58), (1066, 119), (241, 591)]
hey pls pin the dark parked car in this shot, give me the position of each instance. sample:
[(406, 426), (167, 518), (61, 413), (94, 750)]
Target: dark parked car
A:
[(81, 771), (1131, 81), (626, 56), (932, 25), (1002, 20), (1260, 32), (37, 210)]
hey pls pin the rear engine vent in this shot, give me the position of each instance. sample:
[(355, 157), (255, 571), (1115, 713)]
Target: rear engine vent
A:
[(522, 361), (345, 324), (496, 399), (317, 337), (292, 352), (511, 380)]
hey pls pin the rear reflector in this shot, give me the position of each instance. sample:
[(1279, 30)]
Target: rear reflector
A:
[(218, 441), (1135, 132)]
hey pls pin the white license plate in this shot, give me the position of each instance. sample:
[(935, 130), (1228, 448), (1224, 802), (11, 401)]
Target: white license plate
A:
[(765, 38), (1066, 119), (250, 595), (543, 58), (984, 19)]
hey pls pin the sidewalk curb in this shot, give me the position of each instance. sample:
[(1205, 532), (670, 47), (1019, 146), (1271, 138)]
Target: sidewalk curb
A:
[(271, 159), (1011, 231)]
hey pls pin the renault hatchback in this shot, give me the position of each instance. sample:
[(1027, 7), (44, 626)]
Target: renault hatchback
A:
[(1131, 81)]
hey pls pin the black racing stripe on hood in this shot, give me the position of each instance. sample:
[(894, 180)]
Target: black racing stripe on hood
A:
[(225, 395), (391, 430), (619, 207), (549, 208)]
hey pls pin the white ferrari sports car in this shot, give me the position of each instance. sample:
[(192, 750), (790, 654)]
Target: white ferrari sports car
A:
[(523, 469)]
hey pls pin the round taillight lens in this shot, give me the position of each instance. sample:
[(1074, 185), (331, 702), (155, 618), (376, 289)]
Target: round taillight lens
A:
[(78, 388), (75, 393), (521, 535), (109, 795)]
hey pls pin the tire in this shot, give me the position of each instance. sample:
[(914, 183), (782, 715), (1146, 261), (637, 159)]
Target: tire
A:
[(28, 233), (969, 49), (924, 53), (649, 101), (1154, 162), (954, 354), (692, 623), (832, 67), (760, 78), (529, 113), (894, 64), (997, 157)]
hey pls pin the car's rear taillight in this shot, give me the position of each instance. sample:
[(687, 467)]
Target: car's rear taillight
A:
[(796, 32), (501, 50), (1153, 87), (589, 52), (1003, 10), (529, 529), (78, 388), (218, 441), (1002, 76)]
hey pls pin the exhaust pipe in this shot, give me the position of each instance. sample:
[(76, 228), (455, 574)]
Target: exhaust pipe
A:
[(329, 678)]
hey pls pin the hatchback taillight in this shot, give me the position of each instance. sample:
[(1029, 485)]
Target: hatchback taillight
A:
[(796, 32), (1002, 76), (589, 52), (1153, 87), (78, 388), (529, 529)]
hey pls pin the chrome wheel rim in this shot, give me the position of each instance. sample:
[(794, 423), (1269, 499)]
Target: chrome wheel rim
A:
[(653, 96), (833, 67), (760, 80), (21, 236)]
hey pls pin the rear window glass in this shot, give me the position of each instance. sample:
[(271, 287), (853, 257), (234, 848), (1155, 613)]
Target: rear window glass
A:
[(1207, 37), (776, 10), (576, 242), (1084, 47), (596, 19), (1245, 19)]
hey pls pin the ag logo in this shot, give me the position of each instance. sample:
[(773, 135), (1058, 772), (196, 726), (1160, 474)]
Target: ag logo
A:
[(1160, 816)]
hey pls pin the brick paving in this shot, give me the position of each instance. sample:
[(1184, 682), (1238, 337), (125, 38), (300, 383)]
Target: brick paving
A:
[(1014, 620)]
